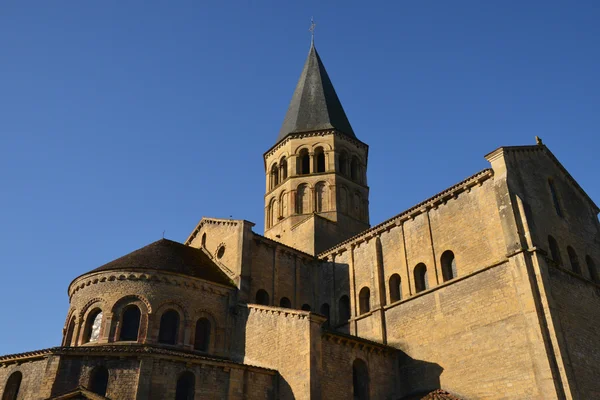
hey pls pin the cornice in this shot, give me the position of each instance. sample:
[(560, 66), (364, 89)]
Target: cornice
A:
[(357, 342), (285, 312), (214, 221)]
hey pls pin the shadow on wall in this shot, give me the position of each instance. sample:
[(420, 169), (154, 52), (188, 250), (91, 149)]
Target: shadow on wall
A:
[(417, 377)]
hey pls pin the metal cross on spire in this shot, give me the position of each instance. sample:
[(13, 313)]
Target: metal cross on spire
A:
[(312, 30)]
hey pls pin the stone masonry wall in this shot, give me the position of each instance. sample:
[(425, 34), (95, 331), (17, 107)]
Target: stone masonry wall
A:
[(33, 376)]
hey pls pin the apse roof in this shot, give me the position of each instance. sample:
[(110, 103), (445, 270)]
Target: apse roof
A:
[(167, 255), (315, 105)]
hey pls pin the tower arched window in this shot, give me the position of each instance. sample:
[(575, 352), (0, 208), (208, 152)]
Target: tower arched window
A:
[(554, 195), (574, 260), (204, 240), (324, 311), (395, 288), (262, 297), (70, 331), (343, 199), (360, 380), (186, 385), (202, 337), (272, 213), (303, 167), (343, 163), (274, 176), (554, 250), (420, 274), (319, 160), (285, 303), (302, 199), (344, 309), (448, 265), (130, 323), (13, 385), (283, 169), (321, 197), (169, 327), (91, 333), (99, 380), (592, 268), (365, 300), (355, 169)]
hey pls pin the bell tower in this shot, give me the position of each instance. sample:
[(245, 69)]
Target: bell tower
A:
[(316, 173)]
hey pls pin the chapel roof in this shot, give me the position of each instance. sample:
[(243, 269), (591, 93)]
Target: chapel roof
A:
[(169, 256), (315, 104)]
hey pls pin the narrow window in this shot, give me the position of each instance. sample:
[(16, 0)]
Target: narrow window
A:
[(305, 307), (320, 159), (185, 386), (92, 327), (448, 265), (325, 312), (202, 338), (343, 163), (285, 302), (395, 288), (204, 240), (272, 213), (130, 324), (420, 273), (70, 331), (169, 327), (303, 162), (262, 297), (592, 268), (574, 260), (354, 169), (344, 309), (555, 198), (99, 380), (274, 176), (283, 169), (302, 200), (554, 251), (321, 197), (13, 384), (365, 300), (360, 380)]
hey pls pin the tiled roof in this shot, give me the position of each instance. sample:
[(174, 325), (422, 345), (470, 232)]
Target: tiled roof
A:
[(438, 394), (167, 255)]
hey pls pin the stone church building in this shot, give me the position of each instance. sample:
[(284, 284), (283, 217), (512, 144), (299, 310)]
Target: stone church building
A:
[(488, 290)]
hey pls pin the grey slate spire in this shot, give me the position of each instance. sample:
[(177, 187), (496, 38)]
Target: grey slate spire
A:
[(315, 104)]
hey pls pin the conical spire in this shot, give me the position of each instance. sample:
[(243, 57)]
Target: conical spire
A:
[(314, 105)]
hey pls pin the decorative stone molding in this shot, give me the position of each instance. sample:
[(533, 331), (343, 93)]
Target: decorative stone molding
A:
[(357, 342)]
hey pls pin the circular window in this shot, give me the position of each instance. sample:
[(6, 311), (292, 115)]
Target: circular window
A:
[(220, 252)]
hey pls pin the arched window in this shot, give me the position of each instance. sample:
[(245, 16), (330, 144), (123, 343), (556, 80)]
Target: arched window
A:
[(130, 323), (420, 273), (303, 162), (321, 197), (574, 260), (355, 169), (70, 330), (343, 199), (99, 380), (204, 240), (343, 163), (554, 197), (365, 300), (554, 251), (202, 338), (285, 302), (92, 326), (360, 380), (302, 199), (169, 327), (319, 160), (13, 384), (395, 288), (356, 205), (262, 297), (185, 386), (274, 176), (305, 307), (272, 213), (448, 265), (592, 268), (325, 312), (283, 169), (344, 309)]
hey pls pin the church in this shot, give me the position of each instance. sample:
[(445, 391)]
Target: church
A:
[(488, 290)]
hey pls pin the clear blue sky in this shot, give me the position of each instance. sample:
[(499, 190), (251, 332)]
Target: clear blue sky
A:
[(121, 119)]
